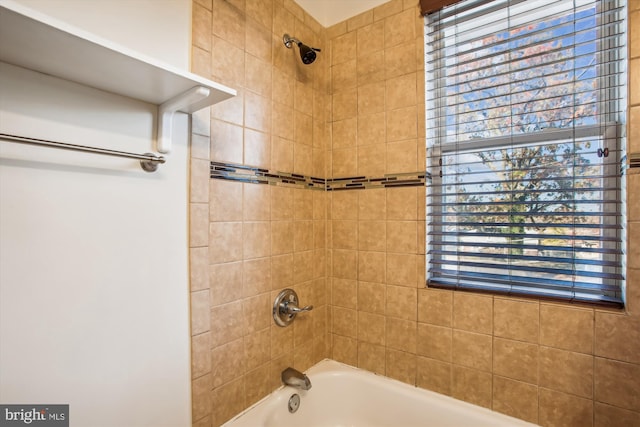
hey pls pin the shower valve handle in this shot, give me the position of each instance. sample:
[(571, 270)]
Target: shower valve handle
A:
[(292, 308)]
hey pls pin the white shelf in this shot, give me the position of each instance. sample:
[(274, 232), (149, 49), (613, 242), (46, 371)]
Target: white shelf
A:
[(38, 42)]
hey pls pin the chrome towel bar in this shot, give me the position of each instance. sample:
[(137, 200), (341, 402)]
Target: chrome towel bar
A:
[(148, 161)]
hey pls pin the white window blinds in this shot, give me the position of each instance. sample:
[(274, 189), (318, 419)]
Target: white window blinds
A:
[(525, 105)]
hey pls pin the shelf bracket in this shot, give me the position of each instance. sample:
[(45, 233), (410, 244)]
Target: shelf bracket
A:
[(167, 109)]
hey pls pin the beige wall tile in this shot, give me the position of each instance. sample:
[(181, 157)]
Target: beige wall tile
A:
[(473, 312), (231, 110), (345, 350), (200, 355), (201, 397), (372, 235), (257, 313), (435, 306), (343, 48), (226, 283), (198, 213), (360, 20), (371, 328), (401, 91), (225, 200), (372, 357), (370, 39), (345, 104), (402, 203), (344, 322), (344, 76), (226, 142), (226, 361), (258, 384), (434, 375), (402, 269), (344, 293), (401, 335), (257, 149), (610, 416), (472, 386), (303, 236), (564, 410), (566, 328), (345, 234), (435, 342), (402, 237), (516, 360), (372, 130), (281, 154), (371, 99), (634, 81), (230, 22), (344, 133), (199, 268), (257, 348), (399, 60), (256, 239), (229, 399), (200, 62), (257, 74), (515, 398), (371, 297), (302, 204), (372, 160), (199, 184), (401, 366), (372, 205), (402, 124), (517, 320), (345, 264), (201, 27), (370, 68), (200, 319), (387, 9), (281, 343), (256, 277), (618, 337), (344, 162), (399, 28), (258, 41), (372, 266), (616, 383), (282, 237), (256, 202), (228, 323), (566, 371), (402, 302), (227, 62), (472, 350)]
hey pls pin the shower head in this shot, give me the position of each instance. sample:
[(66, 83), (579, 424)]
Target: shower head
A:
[(307, 54)]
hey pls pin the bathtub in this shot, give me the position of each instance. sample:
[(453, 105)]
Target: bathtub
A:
[(343, 396)]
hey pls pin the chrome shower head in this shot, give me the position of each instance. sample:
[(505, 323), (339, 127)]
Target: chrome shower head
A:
[(307, 53)]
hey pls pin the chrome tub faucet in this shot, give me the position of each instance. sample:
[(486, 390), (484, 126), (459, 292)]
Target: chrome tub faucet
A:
[(295, 378)]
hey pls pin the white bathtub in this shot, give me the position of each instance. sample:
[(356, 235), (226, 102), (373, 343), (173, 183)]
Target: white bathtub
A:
[(343, 396)]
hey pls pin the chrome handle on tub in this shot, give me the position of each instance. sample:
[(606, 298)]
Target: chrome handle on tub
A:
[(292, 308), (285, 307)]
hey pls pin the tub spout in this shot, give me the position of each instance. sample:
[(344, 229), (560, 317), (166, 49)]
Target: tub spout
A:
[(296, 379)]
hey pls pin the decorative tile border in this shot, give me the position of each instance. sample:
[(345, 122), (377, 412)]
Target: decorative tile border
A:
[(253, 175)]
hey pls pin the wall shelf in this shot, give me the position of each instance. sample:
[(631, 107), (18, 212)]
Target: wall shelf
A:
[(35, 41)]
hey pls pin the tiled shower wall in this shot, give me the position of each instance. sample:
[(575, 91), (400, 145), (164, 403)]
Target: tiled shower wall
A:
[(548, 363), (249, 241), (358, 255)]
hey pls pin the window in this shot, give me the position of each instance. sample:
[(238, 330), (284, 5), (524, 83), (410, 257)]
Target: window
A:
[(525, 141)]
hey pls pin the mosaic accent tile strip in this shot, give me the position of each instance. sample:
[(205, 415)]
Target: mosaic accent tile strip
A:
[(254, 175), (242, 173)]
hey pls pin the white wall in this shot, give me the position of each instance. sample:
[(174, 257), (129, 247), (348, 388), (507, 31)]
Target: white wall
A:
[(94, 308)]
